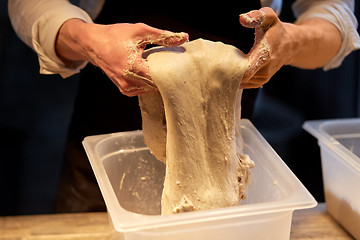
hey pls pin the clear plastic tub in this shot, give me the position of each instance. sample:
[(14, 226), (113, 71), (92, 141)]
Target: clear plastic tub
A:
[(130, 179), (339, 142)]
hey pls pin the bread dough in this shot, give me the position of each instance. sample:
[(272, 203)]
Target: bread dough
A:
[(191, 124)]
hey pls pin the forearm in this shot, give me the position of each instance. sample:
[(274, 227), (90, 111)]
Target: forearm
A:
[(37, 24), (338, 12), (315, 42)]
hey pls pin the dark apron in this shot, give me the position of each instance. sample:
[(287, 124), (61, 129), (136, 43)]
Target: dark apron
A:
[(100, 107)]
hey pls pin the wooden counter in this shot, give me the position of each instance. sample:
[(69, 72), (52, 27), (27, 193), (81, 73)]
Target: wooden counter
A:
[(316, 224), (307, 224)]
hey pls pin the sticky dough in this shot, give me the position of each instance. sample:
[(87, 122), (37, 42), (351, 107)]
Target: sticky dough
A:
[(191, 124)]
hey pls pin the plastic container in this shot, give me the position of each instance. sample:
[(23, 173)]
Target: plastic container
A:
[(339, 142), (130, 179)]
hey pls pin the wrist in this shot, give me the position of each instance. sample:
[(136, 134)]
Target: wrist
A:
[(68, 44), (295, 39), (315, 42)]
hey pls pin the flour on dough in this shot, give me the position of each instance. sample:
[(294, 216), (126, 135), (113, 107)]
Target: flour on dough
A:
[(191, 124)]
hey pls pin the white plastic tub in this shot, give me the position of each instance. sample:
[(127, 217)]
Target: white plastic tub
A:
[(339, 142), (130, 179)]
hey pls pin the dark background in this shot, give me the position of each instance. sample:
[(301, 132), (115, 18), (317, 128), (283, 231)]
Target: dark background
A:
[(35, 111)]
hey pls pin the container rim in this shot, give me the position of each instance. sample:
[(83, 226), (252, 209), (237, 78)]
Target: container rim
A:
[(317, 129), (299, 199)]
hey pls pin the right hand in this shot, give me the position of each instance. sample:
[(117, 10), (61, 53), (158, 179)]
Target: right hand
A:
[(117, 49)]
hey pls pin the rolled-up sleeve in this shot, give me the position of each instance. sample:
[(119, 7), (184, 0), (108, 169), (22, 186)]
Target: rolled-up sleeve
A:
[(338, 12), (37, 23)]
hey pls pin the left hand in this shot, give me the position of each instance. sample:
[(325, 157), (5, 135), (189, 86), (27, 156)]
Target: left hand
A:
[(272, 47)]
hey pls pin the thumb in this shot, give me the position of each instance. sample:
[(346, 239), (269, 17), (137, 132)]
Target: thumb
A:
[(259, 54), (265, 17), (252, 19)]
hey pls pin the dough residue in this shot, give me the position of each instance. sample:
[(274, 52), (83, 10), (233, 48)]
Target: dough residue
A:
[(191, 124)]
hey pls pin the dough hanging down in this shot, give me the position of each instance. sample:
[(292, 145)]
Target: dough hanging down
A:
[(191, 124)]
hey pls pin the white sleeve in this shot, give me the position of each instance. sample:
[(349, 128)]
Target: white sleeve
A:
[(37, 24), (338, 12)]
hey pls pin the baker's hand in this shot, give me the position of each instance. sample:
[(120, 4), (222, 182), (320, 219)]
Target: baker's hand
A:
[(272, 47), (117, 49)]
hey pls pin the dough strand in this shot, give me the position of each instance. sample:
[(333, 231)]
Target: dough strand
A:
[(191, 124)]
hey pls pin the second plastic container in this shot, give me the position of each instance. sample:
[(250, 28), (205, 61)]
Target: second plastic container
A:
[(339, 142)]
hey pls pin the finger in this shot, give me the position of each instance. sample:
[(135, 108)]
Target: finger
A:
[(166, 38), (136, 69), (137, 79), (131, 82), (132, 87), (150, 35), (255, 79), (253, 83), (138, 75), (259, 56), (136, 92), (248, 86)]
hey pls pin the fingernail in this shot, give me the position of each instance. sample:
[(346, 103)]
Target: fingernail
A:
[(247, 18)]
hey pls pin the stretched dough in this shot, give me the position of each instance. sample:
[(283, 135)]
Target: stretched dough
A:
[(190, 124)]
